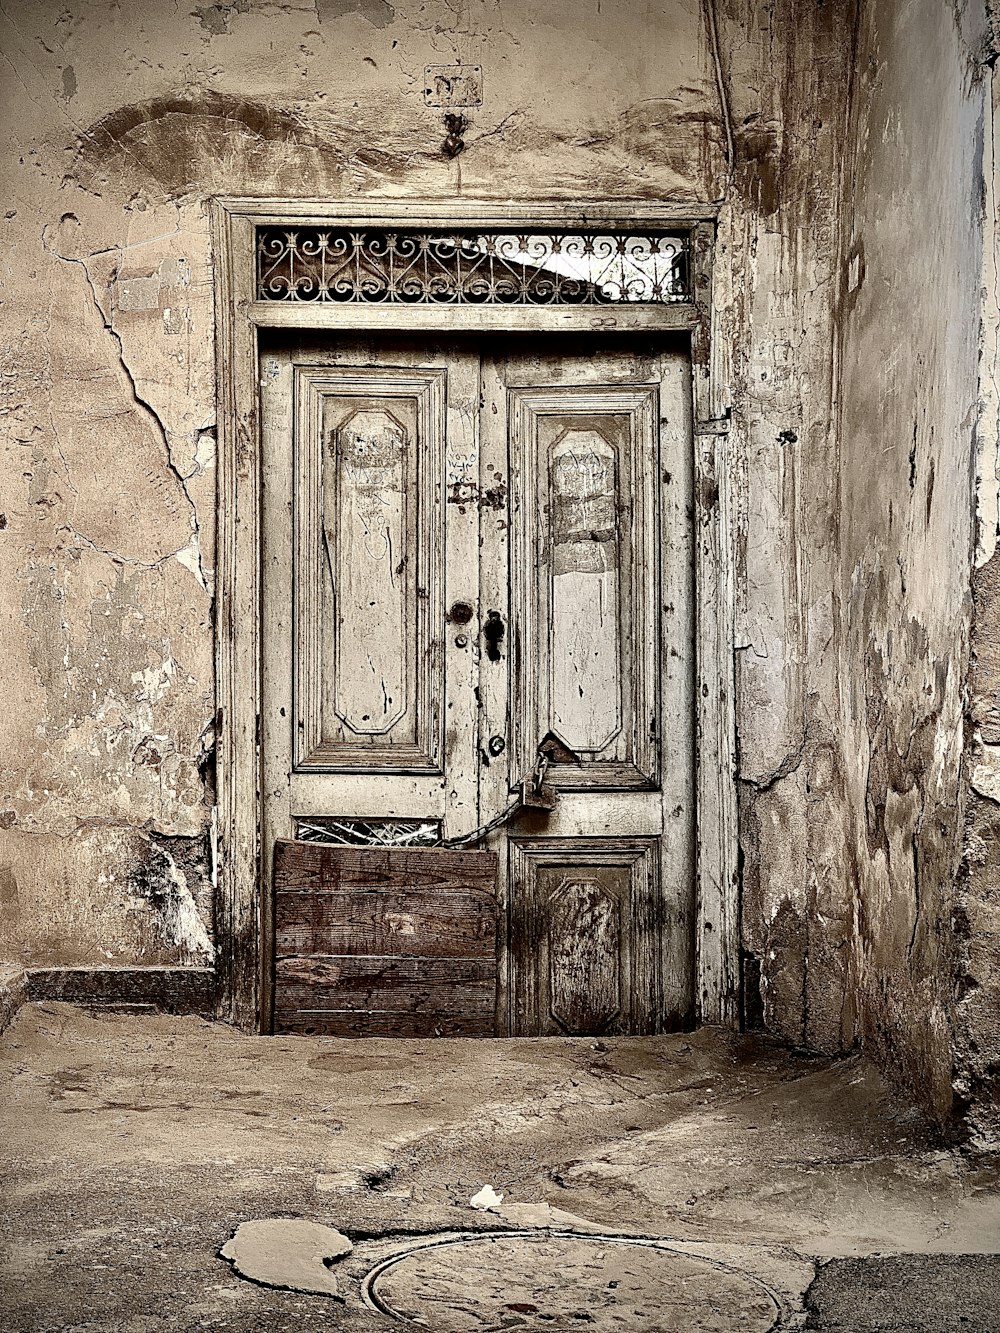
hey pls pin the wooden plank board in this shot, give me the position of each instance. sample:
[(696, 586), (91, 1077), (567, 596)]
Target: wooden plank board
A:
[(328, 1023), (411, 985), (314, 865), (372, 921), (385, 941), (172, 990)]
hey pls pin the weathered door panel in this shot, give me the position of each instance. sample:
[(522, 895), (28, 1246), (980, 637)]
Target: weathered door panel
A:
[(369, 537), (585, 934), (365, 694), (598, 893), (478, 559), (586, 579)]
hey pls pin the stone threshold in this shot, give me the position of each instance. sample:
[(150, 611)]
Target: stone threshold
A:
[(173, 990)]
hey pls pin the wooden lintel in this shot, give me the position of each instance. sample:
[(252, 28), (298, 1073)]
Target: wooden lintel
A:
[(473, 318), (484, 213)]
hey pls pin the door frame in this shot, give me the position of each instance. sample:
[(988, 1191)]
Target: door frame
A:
[(242, 908)]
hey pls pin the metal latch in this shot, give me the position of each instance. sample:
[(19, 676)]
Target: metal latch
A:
[(536, 793)]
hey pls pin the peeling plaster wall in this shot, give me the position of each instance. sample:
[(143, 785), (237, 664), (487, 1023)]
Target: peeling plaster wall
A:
[(118, 123), (978, 1026), (909, 326), (789, 68), (121, 123)]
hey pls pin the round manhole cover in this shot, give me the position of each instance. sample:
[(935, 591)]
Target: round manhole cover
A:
[(470, 1283)]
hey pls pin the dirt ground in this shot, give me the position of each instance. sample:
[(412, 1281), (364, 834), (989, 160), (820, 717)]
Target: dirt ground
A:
[(136, 1144)]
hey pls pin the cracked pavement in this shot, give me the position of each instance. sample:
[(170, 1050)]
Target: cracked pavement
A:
[(136, 1143)]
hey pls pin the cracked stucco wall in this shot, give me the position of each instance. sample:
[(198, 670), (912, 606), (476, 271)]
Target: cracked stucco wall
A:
[(118, 124), (108, 515), (910, 326)]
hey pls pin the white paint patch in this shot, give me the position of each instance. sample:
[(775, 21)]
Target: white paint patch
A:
[(154, 682), (190, 557), (400, 923), (204, 450), (176, 320), (181, 919), (214, 837)]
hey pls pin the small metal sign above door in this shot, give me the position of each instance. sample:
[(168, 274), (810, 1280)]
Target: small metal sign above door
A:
[(452, 86)]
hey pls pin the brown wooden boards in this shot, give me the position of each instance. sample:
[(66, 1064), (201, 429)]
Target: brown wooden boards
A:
[(384, 941)]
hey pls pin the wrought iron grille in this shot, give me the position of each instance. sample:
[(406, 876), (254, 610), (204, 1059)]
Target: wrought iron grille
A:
[(471, 267), (370, 832)]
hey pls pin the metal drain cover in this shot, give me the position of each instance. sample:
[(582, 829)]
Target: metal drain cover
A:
[(470, 1283)]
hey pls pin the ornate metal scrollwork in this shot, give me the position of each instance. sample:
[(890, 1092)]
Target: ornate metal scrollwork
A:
[(470, 267)]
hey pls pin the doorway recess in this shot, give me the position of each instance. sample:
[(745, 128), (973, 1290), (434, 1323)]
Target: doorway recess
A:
[(334, 275)]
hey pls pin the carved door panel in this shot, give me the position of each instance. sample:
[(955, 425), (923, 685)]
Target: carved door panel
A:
[(477, 565), (596, 546)]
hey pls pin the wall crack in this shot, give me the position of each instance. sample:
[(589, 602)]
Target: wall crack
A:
[(785, 769), (152, 418)]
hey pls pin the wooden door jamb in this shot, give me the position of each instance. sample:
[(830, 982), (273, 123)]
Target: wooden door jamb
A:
[(243, 900)]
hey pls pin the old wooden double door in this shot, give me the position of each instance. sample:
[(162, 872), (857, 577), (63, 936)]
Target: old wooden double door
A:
[(478, 573)]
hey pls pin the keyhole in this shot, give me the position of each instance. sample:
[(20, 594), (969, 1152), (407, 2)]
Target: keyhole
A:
[(493, 632)]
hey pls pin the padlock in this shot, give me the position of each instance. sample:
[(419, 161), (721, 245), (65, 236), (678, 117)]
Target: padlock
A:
[(539, 796), (536, 794)]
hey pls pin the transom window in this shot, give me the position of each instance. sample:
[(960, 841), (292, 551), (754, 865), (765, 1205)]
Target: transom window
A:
[(471, 267)]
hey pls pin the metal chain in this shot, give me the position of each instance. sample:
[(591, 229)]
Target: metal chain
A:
[(537, 779), (482, 831)]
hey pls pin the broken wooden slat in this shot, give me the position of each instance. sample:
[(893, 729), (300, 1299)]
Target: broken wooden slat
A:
[(373, 1023), (384, 941)]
